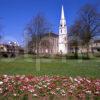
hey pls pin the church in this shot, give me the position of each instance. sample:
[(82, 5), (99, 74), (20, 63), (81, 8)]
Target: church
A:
[(53, 43)]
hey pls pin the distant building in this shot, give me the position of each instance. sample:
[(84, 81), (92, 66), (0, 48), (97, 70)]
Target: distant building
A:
[(10, 50), (95, 45)]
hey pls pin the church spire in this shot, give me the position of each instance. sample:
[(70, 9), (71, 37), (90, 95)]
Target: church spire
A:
[(62, 13), (62, 20), (63, 46)]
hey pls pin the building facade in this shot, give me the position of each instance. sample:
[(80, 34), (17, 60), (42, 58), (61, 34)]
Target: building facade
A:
[(49, 44)]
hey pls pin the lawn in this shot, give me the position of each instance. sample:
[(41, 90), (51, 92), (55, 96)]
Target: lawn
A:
[(27, 65)]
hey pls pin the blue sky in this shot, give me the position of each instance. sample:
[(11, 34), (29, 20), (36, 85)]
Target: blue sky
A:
[(16, 14)]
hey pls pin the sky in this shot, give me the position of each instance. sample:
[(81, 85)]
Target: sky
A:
[(15, 14)]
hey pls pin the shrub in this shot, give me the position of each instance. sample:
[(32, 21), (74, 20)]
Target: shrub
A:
[(97, 54), (70, 56), (58, 56), (85, 57), (45, 56)]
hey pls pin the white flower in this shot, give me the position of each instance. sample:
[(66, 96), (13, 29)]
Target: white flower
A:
[(37, 86), (34, 95), (48, 83), (52, 92), (89, 92), (31, 90), (57, 89), (97, 83), (75, 80), (45, 86), (6, 80), (63, 94), (23, 76), (71, 79), (1, 82), (88, 81), (5, 76), (97, 92), (63, 91), (40, 83), (15, 94), (72, 87)]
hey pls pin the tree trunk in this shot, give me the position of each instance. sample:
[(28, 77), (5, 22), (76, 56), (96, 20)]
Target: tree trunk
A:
[(87, 53), (76, 52)]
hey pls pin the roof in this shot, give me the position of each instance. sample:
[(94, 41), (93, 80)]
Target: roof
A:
[(50, 34), (96, 39)]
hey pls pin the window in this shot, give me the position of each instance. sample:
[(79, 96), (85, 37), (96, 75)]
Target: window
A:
[(61, 31)]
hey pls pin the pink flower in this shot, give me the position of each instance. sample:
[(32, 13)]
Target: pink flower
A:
[(46, 85), (1, 90)]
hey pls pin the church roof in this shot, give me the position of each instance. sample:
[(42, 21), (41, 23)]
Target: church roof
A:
[(51, 34)]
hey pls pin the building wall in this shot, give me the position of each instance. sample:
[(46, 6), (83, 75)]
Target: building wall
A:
[(48, 45)]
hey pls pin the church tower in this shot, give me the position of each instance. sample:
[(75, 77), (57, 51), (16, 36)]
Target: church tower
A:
[(63, 44)]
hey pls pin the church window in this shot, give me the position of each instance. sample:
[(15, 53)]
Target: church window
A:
[(65, 38), (61, 31)]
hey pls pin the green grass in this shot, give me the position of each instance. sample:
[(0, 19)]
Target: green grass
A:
[(26, 65)]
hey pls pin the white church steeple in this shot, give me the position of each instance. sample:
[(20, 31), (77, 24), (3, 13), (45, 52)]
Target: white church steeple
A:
[(62, 13), (63, 46)]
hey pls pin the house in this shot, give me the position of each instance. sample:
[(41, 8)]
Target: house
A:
[(10, 50), (95, 46)]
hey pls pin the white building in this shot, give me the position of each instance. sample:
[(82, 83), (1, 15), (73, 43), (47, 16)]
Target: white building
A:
[(63, 40)]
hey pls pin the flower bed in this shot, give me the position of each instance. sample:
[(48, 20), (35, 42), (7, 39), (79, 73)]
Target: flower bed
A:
[(48, 87)]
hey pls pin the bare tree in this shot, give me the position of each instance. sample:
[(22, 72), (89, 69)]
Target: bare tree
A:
[(89, 25), (90, 19), (37, 28), (75, 39)]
